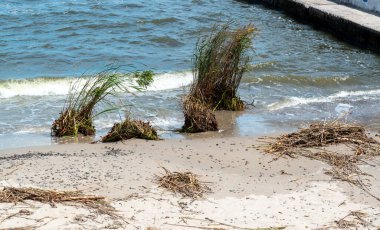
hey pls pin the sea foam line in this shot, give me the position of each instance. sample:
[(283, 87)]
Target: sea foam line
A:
[(61, 86), (296, 101)]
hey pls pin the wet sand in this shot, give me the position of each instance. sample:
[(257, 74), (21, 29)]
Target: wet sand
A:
[(249, 188)]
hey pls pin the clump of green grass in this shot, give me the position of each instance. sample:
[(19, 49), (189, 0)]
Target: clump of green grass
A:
[(78, 111), (131, 129), (220, 60)]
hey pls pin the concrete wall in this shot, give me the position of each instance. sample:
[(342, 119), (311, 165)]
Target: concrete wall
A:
[(354, 26), (367, 5)]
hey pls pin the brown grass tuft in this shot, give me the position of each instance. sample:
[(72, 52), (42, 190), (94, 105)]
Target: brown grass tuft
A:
[(185, 183)]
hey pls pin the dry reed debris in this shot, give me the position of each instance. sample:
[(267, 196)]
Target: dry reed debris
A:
[(323, 134), (185, 183), (357, 220), (15, 195), (131, 129), (307, 142)]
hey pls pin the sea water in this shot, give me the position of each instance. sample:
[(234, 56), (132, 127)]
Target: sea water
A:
[(298, 75)]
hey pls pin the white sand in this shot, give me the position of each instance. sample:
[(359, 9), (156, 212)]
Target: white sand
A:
[(249, 189)]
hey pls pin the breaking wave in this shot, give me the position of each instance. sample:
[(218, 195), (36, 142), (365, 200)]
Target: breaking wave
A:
[(60, 86), (351, 95)]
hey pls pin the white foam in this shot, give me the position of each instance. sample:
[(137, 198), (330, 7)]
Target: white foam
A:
[(171, 81), (296, 101), (61, 86), (167, 123), (35, 87)]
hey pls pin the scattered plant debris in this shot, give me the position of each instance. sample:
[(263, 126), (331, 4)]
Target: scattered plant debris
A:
[(308, 141), (15, 195), (354, 219), (185, 183), (323, 134)]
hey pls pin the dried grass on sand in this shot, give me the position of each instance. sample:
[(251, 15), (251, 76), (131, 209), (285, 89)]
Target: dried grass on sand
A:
[(15, 195), (323, 134), (308, 142), (185, 183)]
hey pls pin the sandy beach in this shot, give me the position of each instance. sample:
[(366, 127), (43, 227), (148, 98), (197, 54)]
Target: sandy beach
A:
[(250, 189)]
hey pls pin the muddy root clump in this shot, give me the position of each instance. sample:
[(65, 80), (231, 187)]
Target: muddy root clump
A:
[(198, 116), (70, 123), (131, 129)]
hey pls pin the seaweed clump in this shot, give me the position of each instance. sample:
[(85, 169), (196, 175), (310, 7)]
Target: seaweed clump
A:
[(78, 112), (220, 60), (131, 129)]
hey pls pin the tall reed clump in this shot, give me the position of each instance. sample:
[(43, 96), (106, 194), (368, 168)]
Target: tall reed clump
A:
[(219, 63), (220, 60), (78, 112)]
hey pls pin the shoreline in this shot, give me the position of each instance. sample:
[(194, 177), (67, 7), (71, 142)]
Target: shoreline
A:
[(245, 183)]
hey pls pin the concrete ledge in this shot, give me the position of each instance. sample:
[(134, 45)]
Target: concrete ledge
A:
[(354, 26)]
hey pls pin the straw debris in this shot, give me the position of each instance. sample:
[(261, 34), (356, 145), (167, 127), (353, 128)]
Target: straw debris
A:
[(308, 142), (15, 195), (323, 134), (185, 183), (131, 129)]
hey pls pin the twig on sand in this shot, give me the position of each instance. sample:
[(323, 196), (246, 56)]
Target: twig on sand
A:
[(217, 228), (20, 228), (356, 222), (214, 222)]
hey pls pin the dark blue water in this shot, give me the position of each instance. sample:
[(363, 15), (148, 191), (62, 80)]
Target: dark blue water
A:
[(298, 75)]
